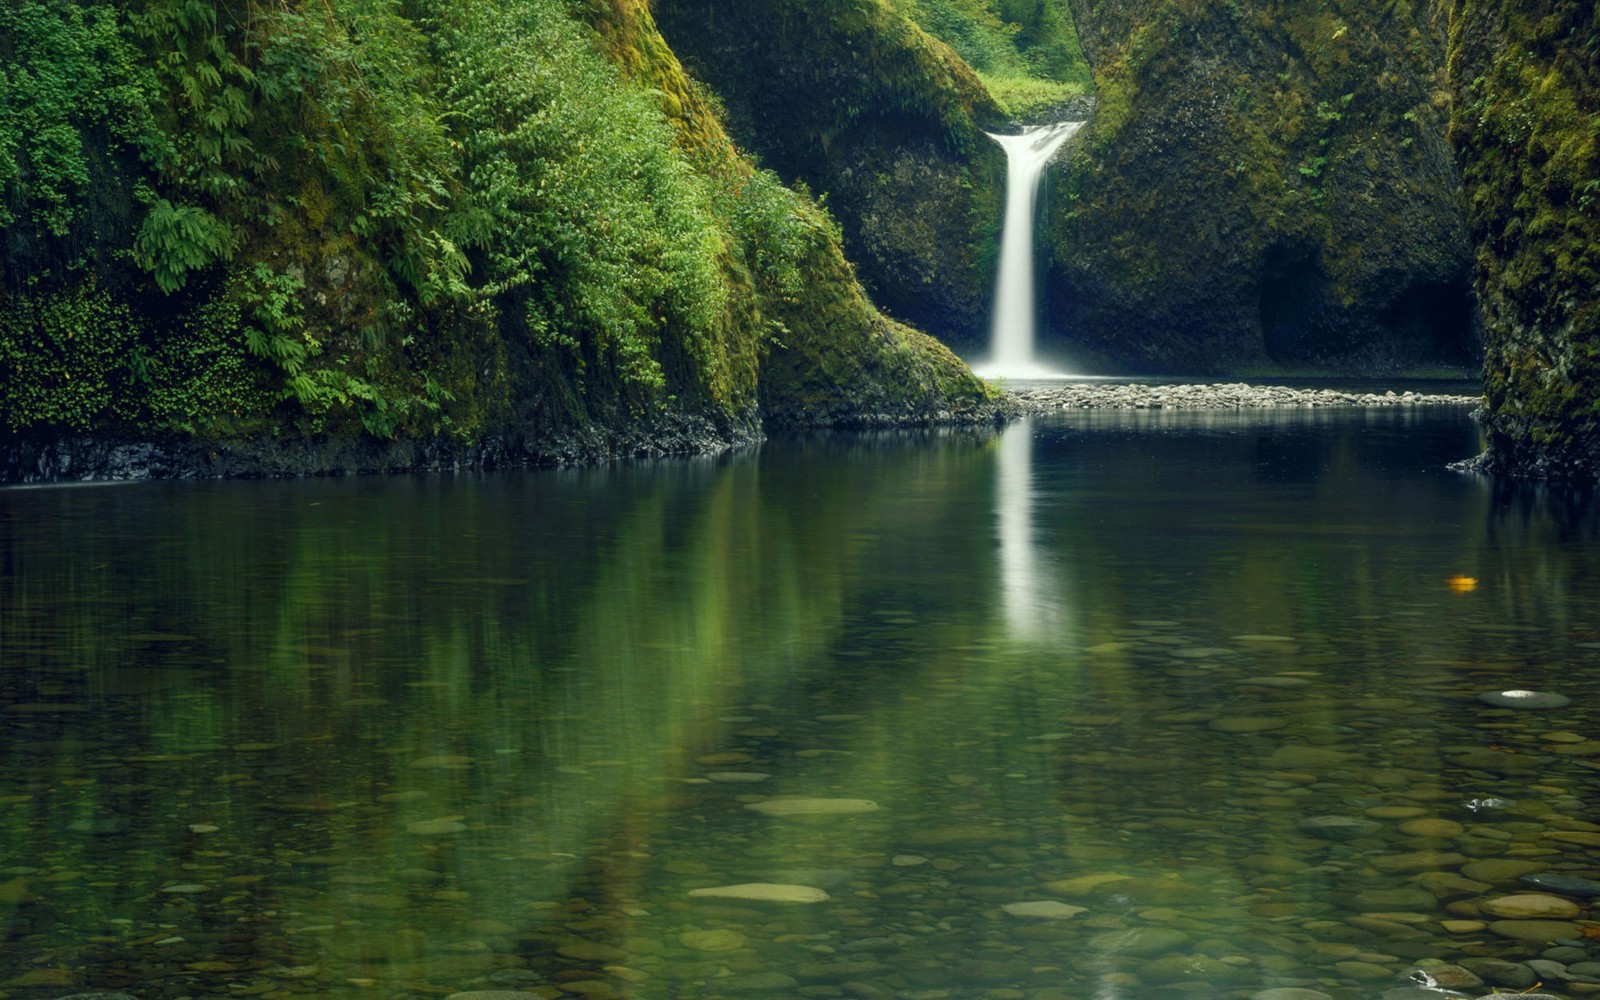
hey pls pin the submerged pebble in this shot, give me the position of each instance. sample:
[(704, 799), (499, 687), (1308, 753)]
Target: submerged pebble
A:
[(1518, 698)]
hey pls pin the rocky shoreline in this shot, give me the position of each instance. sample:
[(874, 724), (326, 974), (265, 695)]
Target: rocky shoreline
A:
[(1221, 396)]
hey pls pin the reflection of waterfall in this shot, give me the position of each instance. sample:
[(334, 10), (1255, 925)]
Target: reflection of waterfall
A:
[(1028, 585), (1012, 327)]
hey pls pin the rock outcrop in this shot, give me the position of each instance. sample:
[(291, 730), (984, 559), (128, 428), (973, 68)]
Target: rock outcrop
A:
[(1526, 78), (1264, 184)]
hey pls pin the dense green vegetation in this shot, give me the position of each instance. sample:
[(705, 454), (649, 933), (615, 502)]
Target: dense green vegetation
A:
[(408, 220), (1026, 51), (1527, 125)]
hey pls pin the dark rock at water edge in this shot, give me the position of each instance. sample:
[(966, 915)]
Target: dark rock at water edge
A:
[(92, 458), (68, 459)]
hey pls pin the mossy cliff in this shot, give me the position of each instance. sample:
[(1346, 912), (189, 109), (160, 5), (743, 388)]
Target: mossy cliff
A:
[(1265, 183), (358, 234), (1526, 76), (854, 100)]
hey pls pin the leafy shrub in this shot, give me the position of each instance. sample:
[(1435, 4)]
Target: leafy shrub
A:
[(65, 355)]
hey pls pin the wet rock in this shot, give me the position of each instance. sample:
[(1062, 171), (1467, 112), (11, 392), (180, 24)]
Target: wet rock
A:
[(1519, 698), (105, 826), (446, 762), (1339, 827), (1463, 926), (1548, 971), (1448, 885), (1536, 930), (1531, 906), (591, 951), (1303, 758), (1431, 827), (764, 983), (764, 892), (1044, 910), (948, 836), (1417, 861), (839, 971), (1191, 968), (1247, 724), (1138, 941), (1443, 976), (1363, 971), (812, 807), (1083, 885), (1150, 891), (1494, 870), (712, 940), (1290, 993)]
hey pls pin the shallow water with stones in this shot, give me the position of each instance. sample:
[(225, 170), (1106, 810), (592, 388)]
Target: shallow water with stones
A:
[(1105, 706)]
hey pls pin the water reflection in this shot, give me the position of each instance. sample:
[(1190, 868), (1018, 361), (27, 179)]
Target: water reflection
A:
[(437, 734), (1032, 595)]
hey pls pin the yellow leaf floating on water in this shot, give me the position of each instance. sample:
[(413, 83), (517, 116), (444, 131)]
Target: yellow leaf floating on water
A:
[(1461, 584)]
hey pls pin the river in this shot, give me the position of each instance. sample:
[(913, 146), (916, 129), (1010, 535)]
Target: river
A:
[(1117, 705)]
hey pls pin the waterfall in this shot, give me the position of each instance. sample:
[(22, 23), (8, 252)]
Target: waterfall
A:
[(1011, 331)]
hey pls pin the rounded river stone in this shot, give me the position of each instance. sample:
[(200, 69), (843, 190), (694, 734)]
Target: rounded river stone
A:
[(1138, 941), (1567, 885), (1518, 698), (1531, 905), (1536, 930)]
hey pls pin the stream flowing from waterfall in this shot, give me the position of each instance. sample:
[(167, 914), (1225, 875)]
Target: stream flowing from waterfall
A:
[(1011, 345)]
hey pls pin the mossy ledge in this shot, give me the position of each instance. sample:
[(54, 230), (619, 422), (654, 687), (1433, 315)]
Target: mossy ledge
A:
[(357, 236), (1526, 78)]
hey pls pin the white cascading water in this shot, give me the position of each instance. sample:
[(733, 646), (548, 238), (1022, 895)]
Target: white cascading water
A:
[(1011, 332)]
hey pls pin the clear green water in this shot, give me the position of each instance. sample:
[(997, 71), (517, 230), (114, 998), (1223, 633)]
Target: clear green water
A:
[(406, 737)]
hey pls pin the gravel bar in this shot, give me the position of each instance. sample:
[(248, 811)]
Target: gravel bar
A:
[(1230, 396)]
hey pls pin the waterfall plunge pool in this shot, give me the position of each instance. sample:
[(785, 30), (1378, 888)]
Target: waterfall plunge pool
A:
[(1112, 706)]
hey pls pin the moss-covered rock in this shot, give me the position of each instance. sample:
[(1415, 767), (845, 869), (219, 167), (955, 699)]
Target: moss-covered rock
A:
[(851, 98), (356, 235), (1264, 184), (1526, 76)]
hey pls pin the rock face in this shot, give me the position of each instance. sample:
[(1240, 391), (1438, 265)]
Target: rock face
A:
[(1527, 111), (860, 104), (1263, 182)]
